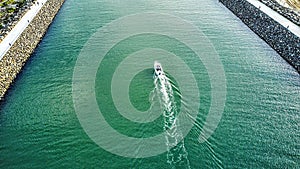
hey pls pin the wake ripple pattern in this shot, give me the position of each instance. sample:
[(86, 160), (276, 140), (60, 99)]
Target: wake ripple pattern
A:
[(177, 155)]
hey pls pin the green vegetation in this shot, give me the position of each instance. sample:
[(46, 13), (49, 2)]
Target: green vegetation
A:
[(8, 3), (11, 10)]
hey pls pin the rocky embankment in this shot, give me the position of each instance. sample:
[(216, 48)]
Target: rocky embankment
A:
[(284, 11), (11, 13), (277, 36), (13, 61)]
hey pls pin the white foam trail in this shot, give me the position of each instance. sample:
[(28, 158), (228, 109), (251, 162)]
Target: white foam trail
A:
[(177, 155)]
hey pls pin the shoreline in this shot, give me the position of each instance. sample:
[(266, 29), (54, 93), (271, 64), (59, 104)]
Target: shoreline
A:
[(10, 20), (15, 32), (286, 12), (277, 36), (15, 58)]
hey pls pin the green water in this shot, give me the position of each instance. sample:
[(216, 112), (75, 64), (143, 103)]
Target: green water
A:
[(259, 127)]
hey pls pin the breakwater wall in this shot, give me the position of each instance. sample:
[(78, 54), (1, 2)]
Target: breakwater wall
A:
[(13, 61), (284, 11), (277, 36)]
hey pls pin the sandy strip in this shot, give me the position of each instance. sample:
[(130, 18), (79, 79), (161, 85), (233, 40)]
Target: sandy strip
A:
[(292, 4)]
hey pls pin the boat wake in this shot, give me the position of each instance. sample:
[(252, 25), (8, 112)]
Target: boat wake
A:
[(177, 155)]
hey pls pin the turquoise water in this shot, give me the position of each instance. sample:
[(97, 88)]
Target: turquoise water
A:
[(259, 127)]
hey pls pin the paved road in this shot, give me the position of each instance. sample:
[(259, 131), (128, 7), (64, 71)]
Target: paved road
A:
[(277, 17), (13, 35)]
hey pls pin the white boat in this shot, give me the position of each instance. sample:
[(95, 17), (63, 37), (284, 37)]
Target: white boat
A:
[(158, 70)]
